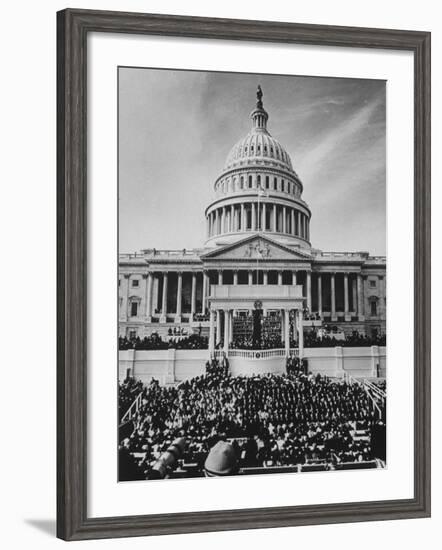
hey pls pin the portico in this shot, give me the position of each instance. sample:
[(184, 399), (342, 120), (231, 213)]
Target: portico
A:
[(227, 300)]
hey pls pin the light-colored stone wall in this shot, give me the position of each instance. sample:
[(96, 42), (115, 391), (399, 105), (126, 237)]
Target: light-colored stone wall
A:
[(173, 366)]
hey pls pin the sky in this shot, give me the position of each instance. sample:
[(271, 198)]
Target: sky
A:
[(176, 129)]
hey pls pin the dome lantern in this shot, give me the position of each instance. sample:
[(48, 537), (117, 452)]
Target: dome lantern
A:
[(259, 115)]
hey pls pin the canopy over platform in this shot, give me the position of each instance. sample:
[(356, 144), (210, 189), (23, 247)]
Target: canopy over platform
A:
[(227, 299)]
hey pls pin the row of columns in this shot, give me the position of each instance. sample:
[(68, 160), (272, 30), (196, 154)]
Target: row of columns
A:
[(215, 329), (358, 294), (233, 218)]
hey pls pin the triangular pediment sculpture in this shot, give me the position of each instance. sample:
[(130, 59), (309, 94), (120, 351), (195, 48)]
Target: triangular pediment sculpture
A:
[(256, 247)]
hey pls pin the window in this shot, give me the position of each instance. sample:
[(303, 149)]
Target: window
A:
[(373, 284), (241, 185), (275, 184), (373, 308), (259, 149), (132, 334), (259, 180), (134, 309), (267, 182), (250, 182), (119, 282), (135, 282)]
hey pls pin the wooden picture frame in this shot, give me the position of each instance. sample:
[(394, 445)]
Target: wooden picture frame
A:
[(73, 27)]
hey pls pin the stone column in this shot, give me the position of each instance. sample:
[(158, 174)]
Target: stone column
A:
[(354, 295), (298, 223), (223, 220), (164, 301), (218, 326), (360, 288), (346, 310), (216, 231), (274, 218), (333, 297), (265, 279), (211, 333), (243, 217), (292, 217), (309, 290), (226, 331), (148, 302), (284, 219), (287, 332), (294, 279), (125, 296), (279, 277), (253, 216), (320, 294), (381, 312), (220, 276), (235, 277), (204, 294), (232, 221), (230, 327), (250, 281), (193, 297), (179, 297), (300, 334), (263, 217)]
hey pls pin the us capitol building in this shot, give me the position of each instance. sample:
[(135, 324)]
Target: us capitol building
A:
[(257, 264)]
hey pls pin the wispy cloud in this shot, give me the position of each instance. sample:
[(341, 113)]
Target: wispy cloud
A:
[(332, 143)]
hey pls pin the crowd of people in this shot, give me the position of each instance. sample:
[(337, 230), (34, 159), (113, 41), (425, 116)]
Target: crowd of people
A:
[(197, 341), (355, 339), (155, 342), (271, 420)]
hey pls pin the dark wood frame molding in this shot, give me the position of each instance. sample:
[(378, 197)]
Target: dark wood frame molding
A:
[(73, 27)]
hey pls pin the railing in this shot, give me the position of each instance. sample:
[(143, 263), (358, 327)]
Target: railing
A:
[(258, 353), (133, 409)]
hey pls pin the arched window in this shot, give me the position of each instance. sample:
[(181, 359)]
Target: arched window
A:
[(258, 181), (265, 149), (250, 182), (241, 185), (259, 149), (267, 182), (275, 184)]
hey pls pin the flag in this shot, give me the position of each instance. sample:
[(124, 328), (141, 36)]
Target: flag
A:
[(262, 192)]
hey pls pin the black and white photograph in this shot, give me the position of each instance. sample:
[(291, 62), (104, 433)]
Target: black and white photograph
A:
[(252, 292)]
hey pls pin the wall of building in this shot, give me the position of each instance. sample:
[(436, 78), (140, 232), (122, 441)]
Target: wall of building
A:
[(171, 366)]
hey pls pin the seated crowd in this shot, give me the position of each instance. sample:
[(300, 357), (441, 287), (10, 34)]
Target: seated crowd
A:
[(155, 342), (196, 341), (312, 340), (272, 420)]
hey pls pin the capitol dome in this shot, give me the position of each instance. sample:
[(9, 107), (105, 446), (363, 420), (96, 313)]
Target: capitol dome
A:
[(258, 190), (258, 147)]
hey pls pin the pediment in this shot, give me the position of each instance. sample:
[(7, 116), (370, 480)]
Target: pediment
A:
[(256, 248)]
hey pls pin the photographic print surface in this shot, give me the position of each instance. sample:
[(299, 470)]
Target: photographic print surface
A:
[(252, 274)]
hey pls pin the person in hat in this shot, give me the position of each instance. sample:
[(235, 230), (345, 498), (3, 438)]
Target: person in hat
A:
[(221, 460)]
